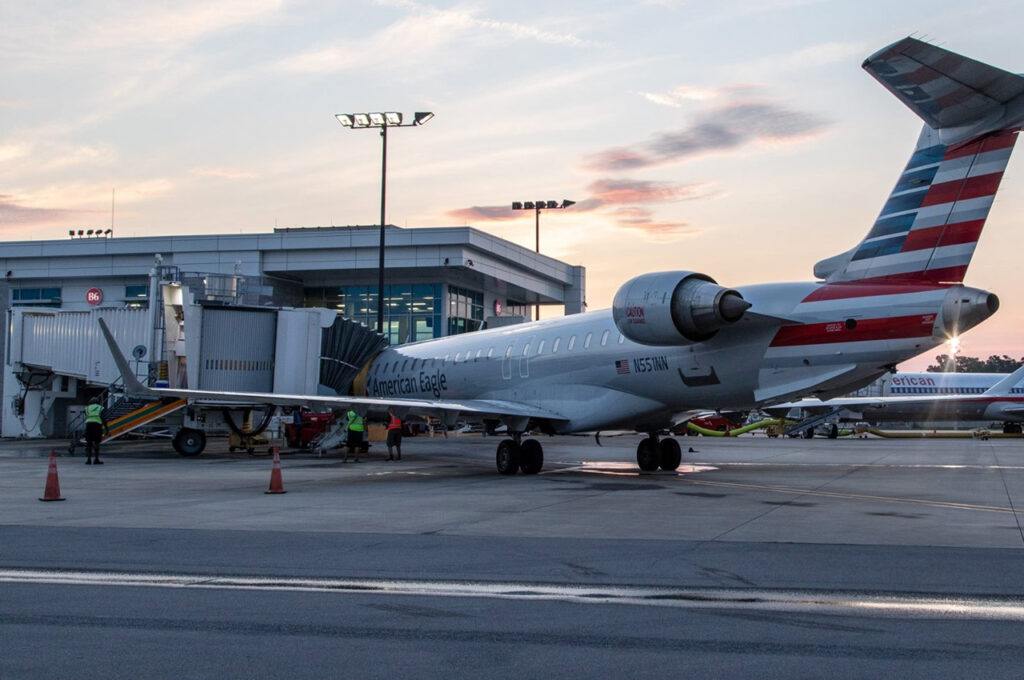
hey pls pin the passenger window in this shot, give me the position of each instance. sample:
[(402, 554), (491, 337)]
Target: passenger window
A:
[(508, 351), (540, 347), (604, 338), (458, 357), (490, 352), (555, 344), (622, 338), (479, 353), (526, 349), (572, 342), (394, 369), (405, 364), (586, 340)]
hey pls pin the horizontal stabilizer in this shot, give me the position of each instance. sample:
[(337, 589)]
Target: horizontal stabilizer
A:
[(958, 96), (1004, 386)]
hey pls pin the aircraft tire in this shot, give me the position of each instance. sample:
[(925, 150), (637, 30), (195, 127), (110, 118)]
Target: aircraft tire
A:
[(188, 442), (507, 457), (809, 433), (648, 457), (531, 457), (671, 454)]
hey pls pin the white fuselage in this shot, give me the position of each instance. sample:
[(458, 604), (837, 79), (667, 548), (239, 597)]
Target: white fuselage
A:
[(584, 369)]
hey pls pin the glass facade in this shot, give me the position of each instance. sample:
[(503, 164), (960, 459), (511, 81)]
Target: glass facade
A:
[(465, 310), (35, 297), (412, 311), (136, 296)]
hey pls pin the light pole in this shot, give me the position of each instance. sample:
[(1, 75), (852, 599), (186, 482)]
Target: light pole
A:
[(383, 121), (537, 206)]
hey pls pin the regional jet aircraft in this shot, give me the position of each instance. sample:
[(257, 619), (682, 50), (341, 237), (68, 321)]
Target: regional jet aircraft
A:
[(932, 397), (677, 341)]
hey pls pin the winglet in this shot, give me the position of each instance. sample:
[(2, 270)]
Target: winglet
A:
[(131, 383), (1004, 386)]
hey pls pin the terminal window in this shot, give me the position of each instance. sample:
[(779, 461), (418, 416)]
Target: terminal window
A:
[(412, 311), (35, 297), (136, 296), (465, 310)]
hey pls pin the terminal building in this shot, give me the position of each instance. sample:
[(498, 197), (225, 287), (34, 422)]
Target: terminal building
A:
[(260, 308)]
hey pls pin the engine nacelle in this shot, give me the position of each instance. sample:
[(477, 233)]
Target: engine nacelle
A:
[(675, 308)]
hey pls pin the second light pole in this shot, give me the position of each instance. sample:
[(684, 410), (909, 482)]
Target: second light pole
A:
[(382, 121), (537, 206)]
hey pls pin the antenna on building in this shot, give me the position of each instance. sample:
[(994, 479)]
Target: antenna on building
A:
[(111, 232)]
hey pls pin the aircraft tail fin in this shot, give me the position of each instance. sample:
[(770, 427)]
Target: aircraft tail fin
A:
[(929, 226), (131, 383), (1006, 385)]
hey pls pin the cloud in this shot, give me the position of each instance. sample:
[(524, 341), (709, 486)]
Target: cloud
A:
[(621, 191), (724, 128), (430, 30), (485, 213), (222, 173), (13, 214), (641, 219)]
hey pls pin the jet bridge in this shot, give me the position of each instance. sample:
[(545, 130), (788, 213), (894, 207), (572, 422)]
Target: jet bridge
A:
[(57, 360)]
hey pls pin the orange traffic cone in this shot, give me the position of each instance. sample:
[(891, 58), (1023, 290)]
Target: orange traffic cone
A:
[(52, 491), (276, 485)]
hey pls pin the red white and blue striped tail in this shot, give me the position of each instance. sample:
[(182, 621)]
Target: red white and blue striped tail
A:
[(929, 227)]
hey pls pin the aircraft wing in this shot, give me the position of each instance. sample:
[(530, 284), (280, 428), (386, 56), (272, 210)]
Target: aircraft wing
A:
[(477, 407), (857, 403)]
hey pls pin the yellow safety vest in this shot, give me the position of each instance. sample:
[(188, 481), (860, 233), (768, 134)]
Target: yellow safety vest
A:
[(355, 421), (93, 413)]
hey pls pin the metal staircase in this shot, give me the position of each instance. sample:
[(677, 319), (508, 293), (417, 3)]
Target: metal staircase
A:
[(125, 415), (807, 423)]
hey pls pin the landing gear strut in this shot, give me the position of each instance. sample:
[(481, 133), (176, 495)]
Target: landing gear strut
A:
[(652, 454), (516, 454)]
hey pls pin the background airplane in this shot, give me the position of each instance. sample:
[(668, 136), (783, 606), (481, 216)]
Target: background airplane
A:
[(676, 341), (929, 397)]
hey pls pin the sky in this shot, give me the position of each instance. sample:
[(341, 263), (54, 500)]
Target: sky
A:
[(737, 138)]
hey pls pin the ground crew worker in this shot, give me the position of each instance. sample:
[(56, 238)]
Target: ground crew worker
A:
[(356, 425), (394, 434), (95, 426)]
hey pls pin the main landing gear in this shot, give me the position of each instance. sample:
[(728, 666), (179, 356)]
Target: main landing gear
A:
[(652, 454), (517, 454)]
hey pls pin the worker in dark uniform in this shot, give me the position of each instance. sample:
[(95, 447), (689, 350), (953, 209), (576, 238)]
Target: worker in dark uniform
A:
[(394, 434), (95, 426), (356, 426)]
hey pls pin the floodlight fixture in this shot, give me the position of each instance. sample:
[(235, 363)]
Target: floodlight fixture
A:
[(377, 119), (392, 118), (344, 118), (361, 120), (422, 117)]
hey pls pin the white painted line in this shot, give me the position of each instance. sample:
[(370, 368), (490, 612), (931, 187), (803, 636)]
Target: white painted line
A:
[(899, 605)]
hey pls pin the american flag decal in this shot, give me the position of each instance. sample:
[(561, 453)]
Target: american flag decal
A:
[(622, 366)]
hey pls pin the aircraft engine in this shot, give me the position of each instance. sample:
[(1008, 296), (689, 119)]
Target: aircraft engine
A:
[(675, 308), (964, 308)]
